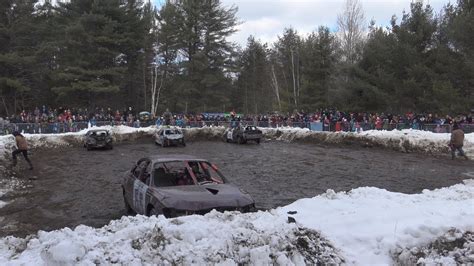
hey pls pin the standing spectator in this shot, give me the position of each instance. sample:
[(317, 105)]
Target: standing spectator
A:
[(136, 124), (167, 116)]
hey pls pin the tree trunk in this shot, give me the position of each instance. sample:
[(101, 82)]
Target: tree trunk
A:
[(275, 86), (5, 106), (294, 78)]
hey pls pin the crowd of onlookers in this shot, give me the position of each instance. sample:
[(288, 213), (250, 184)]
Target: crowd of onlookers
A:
[(45, 119)]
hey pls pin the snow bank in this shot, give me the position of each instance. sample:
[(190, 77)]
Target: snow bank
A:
[(455, 247), (368, 223), (217, 238), (365, 226), (404, 140), (407, 140)]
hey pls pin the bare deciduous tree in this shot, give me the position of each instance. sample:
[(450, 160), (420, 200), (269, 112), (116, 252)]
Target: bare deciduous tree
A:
[(155, 89), (351, 25)]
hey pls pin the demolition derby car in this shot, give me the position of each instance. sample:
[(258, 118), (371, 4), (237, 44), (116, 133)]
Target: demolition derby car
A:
[(177, 185), (242, 134), (169, 136), (98, 138)]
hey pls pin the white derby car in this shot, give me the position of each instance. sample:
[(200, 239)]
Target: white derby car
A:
[(169, 136)]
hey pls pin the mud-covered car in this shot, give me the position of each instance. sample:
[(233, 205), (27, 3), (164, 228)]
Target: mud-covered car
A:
[(243, 134), (98, 139), (176, 185), (169, 136)]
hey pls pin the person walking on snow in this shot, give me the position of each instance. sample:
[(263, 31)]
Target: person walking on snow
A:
[(22, 147), (457, 141)]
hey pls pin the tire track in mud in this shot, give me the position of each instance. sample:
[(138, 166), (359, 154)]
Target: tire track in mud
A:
[(75, 186)]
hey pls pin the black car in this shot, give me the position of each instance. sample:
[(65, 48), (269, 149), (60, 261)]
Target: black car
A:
[(176, 185), (97, 139), (242, 134)]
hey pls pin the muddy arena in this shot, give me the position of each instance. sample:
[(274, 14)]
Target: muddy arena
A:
[(71, 186)]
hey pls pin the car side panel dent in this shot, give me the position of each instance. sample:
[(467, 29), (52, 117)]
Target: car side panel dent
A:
[(139, 196)]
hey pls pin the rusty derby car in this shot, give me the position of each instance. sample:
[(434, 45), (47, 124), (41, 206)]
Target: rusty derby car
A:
[(177, 185), (243, 134), (98, 139)]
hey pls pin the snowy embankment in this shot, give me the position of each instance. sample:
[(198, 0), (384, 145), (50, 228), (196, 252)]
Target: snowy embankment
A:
[(404, 140), (407, 140), (365, 226)]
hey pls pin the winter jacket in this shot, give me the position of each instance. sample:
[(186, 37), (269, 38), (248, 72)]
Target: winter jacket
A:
[(457, 138), (21, 143)]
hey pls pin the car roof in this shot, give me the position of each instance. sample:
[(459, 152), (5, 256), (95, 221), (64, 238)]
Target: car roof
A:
[(97, 130), (167, 128), (173, 158)]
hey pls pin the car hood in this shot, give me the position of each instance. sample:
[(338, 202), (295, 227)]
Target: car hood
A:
[(194, 198)]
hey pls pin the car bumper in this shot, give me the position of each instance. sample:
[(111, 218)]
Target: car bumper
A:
[(176, 212)]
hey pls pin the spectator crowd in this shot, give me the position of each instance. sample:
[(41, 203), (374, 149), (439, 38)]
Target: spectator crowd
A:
[(54, 120)]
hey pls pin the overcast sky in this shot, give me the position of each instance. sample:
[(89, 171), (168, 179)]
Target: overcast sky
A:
[(266, 19)]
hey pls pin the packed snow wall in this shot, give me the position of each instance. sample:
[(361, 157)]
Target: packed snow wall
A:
[(404, 140)]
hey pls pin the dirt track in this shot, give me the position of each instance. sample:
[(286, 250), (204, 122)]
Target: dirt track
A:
[(79, 187)]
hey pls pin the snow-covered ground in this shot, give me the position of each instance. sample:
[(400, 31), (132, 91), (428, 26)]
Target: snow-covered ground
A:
[(365, 226)]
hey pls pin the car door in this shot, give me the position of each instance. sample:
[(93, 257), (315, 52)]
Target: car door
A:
[(161, 137), (229, 134), (140, 188)]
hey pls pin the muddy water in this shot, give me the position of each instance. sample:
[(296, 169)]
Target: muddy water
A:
[(75, 186)]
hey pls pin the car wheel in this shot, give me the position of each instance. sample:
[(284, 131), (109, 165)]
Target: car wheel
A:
[(88, 148), (258, 141), (154, 211)]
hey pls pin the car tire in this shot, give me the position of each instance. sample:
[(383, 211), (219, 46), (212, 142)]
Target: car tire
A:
[(258, 141), (154, 211), (88, 148)]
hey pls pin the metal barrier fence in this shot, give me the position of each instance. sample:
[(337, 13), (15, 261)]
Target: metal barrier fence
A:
[(36, 128)]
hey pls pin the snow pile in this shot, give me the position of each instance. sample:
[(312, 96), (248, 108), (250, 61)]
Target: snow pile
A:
[(365, 226), (204, 133), (455, 247), (406, 140), (216, 238), (368, 223)]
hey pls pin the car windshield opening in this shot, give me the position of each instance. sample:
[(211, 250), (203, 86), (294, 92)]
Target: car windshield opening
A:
[(171, 174), (205, 173)]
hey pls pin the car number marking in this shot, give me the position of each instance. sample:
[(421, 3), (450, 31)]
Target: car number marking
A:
[(139, 193)]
